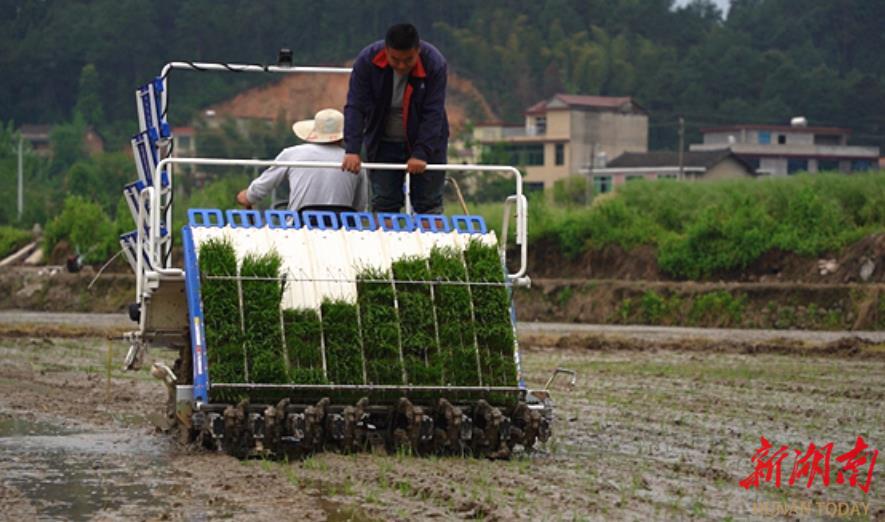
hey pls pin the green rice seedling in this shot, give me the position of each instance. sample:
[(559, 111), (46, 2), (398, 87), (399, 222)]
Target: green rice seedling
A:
[(491, 308), (262, 293), (221, 314), (457, 337), (421, 355), (304, 332), (307, 376), (341, 333), (380, 327)]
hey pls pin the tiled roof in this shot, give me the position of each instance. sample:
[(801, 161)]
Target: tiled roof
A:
[(577, 100), (666, 158), (33, 132), (778, 128)]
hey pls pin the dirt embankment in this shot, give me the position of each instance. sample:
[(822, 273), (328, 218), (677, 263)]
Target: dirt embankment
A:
[(53, 289), (739, 305), (299, 96), (735, 305), (861, 262)]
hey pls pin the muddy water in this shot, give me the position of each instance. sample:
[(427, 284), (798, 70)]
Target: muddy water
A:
[(72, 472), (646, 434)]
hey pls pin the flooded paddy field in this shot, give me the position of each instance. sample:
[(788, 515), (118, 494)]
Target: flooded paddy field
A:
[(661, 430)]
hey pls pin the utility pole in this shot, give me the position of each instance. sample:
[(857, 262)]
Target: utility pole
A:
[(588, 188), (21, 175), (681, 145)]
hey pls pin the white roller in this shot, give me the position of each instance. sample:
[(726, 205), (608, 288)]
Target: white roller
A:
[(320, 264), (203, 234), (331, 263), (365, 250), (293, 245)]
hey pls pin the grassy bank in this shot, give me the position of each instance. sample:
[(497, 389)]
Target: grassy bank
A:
[(11, 239), (706, 227)]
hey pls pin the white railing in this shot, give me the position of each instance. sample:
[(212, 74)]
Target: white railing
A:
[(154, 210), (223, 67), (238, 67)]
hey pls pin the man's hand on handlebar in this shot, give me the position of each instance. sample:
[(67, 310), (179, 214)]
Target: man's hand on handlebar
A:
[(351, 163), (416, 166)]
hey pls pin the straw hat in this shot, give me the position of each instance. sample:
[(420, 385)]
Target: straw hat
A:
[(326, 127)]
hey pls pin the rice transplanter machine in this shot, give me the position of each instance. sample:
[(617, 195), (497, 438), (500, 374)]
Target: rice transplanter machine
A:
[(481, 407)]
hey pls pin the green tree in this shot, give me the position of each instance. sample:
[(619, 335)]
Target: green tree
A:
[(85, 226), (67, 144), (88, 98)]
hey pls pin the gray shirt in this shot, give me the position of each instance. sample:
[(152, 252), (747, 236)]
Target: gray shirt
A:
[(394, 129), (313, 186)]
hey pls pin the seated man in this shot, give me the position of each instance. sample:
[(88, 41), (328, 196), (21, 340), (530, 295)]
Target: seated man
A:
[(314, 188)]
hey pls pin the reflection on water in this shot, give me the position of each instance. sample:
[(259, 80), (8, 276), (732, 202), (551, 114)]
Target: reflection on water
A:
[(76, 474)]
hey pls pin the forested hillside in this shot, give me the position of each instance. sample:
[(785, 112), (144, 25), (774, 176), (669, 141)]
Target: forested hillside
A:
[(75, 64), (767, 61)]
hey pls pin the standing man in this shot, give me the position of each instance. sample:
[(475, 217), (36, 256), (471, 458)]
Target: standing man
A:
[(313, 188), (396, 110)]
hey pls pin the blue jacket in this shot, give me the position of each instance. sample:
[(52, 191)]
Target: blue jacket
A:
[(424, 100)]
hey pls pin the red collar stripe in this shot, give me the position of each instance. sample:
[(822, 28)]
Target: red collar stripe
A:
[(418, 71)]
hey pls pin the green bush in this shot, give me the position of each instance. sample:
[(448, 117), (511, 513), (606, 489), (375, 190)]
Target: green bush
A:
[(11, 239), (811, 223), (718, 308), (572, 190), (719, 239), (220, 193), (651, 308), (704, 228), (613, 222), (100, 178), (654, 307), (86, 227)]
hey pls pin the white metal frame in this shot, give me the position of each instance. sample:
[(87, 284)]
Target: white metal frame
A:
[(151, 215), (155, 201), (164, 100), (152, 201)]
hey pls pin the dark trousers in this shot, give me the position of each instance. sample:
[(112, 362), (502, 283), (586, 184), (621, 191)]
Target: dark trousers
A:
[(388, 191)]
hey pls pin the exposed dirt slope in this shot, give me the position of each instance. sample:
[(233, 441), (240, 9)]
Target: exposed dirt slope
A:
[(734, 305), (299, 96)]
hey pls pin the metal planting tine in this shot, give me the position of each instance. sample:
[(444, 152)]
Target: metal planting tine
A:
[(564, 371), (297, 426), (335, 424), (216, 425), (466, 427), (425, 428), (256, 425)]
